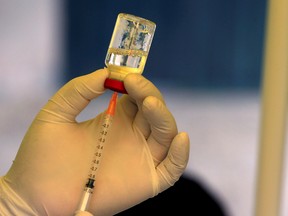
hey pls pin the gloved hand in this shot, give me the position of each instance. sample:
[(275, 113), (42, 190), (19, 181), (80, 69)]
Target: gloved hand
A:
[(144, 153)]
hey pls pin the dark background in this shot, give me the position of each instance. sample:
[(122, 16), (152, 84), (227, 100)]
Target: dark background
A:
[(198, 43)]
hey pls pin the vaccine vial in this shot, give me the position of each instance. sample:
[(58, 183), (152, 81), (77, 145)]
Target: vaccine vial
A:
[(128, 49)]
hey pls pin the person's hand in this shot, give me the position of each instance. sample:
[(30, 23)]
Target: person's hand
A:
[(144, 154)]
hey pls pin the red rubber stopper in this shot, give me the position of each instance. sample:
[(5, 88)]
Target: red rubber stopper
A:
[(115, 85)]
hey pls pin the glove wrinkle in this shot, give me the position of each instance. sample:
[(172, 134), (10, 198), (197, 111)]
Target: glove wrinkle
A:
[(165, 179), (65, 105), (58, 118), (11, 203), (68, 101), (87, 89)]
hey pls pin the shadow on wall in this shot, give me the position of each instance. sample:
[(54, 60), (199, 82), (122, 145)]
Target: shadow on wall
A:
[(186, 197)]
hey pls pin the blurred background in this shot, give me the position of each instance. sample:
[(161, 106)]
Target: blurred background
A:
[(206, 58)]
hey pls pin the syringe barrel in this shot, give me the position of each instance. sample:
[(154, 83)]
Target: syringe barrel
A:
[(105, 125), (84, 203)]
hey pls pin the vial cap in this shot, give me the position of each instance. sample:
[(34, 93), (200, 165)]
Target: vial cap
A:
[(115, 85)]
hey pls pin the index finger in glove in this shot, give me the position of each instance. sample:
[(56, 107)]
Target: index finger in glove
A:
[(173, 166), (163, 127), (138, 88), (73, 97)]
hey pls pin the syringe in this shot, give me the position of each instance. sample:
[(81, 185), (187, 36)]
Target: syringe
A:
[(105, 126)]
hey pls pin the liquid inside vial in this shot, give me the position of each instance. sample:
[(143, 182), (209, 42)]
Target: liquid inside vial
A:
[(125, 61), (129, 46)]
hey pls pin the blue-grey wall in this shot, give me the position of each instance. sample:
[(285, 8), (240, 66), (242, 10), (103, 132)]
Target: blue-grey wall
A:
[(198, 43)]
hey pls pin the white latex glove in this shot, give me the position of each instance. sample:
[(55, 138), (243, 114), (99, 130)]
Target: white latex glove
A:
[(144, 153)]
